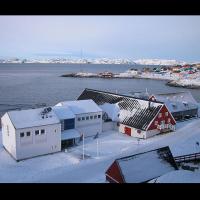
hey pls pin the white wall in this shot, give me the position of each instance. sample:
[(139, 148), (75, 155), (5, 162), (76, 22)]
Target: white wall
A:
[(89, 127), (133, 131), (151, 133), (8, 139), (107, 126), (35, 145)]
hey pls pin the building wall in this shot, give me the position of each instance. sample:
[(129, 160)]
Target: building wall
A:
[(134, 132), (35, 145), (8, 138), (89, 127), (113, 174), (164, 118), (151, 133), (107, 126)]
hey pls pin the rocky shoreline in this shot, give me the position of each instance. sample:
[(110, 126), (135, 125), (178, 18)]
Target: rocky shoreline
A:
[(175, 84), (131, 75)]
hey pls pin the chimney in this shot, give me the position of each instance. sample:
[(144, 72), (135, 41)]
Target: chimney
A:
[(149, 105)]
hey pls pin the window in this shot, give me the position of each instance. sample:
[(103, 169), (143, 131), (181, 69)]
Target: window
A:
[(95, 116), (87, 118), (91, 117), (169, 120), (42, 132), (99, 116), (28, 133), (156, 123), (37, 132), (160, 115), (166, 114), (22, 134), (7, 127), (83, 118), (69, 124), (79, 119)]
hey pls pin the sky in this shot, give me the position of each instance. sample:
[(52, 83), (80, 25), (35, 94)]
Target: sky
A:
[(131, 37)]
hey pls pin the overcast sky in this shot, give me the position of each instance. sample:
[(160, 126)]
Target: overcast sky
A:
[(135, 37)]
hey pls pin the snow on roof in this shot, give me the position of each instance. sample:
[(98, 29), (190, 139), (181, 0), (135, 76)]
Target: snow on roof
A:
[(177, 97), (31, 118), (134, 112), (146, 166), (63, 112), (69, 134), (81, 106), (178, 176), (112, 110), (176, 106)]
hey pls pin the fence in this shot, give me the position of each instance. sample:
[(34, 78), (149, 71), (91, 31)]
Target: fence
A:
[(189, 157)]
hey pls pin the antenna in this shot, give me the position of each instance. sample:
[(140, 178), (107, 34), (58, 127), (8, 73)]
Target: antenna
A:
[(81, 52)]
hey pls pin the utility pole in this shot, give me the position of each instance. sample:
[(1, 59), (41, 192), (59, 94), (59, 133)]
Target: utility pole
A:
[(97, 147)]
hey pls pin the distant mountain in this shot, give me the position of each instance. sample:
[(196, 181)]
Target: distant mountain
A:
[(99, 61)]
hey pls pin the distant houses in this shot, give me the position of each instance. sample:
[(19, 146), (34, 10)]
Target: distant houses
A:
[(142, 167)]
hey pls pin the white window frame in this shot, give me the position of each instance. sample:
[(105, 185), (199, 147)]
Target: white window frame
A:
[(28, 132), (159, 115), (7, 129), (166, 114), (21, 136), (38, 132)]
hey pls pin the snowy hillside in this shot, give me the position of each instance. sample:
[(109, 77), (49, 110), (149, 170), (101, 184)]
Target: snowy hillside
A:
[(98, 61), (159, 62)]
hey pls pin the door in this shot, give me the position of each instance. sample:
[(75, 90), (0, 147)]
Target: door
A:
[(127, 130)]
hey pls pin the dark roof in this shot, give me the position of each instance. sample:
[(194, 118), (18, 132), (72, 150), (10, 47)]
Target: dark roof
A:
[(146, 166), (141, 113)]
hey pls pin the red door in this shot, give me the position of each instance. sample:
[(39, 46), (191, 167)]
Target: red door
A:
[(127, 130)]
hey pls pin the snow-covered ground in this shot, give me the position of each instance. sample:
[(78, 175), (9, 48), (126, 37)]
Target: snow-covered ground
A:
[(69, 166)]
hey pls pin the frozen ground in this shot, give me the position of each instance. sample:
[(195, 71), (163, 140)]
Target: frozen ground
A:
[(69, 167)]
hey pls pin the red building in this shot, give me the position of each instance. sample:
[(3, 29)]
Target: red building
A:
[(141, 168), (136, 117)]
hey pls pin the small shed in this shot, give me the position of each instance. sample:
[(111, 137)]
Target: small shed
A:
[(142, 167)]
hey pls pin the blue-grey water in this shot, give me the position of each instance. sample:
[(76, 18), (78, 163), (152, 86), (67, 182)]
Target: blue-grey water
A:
[(27, 85)]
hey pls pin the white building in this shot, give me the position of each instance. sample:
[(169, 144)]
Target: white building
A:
[(69, 135), (29, 133), (34, 132), (88, 116)]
